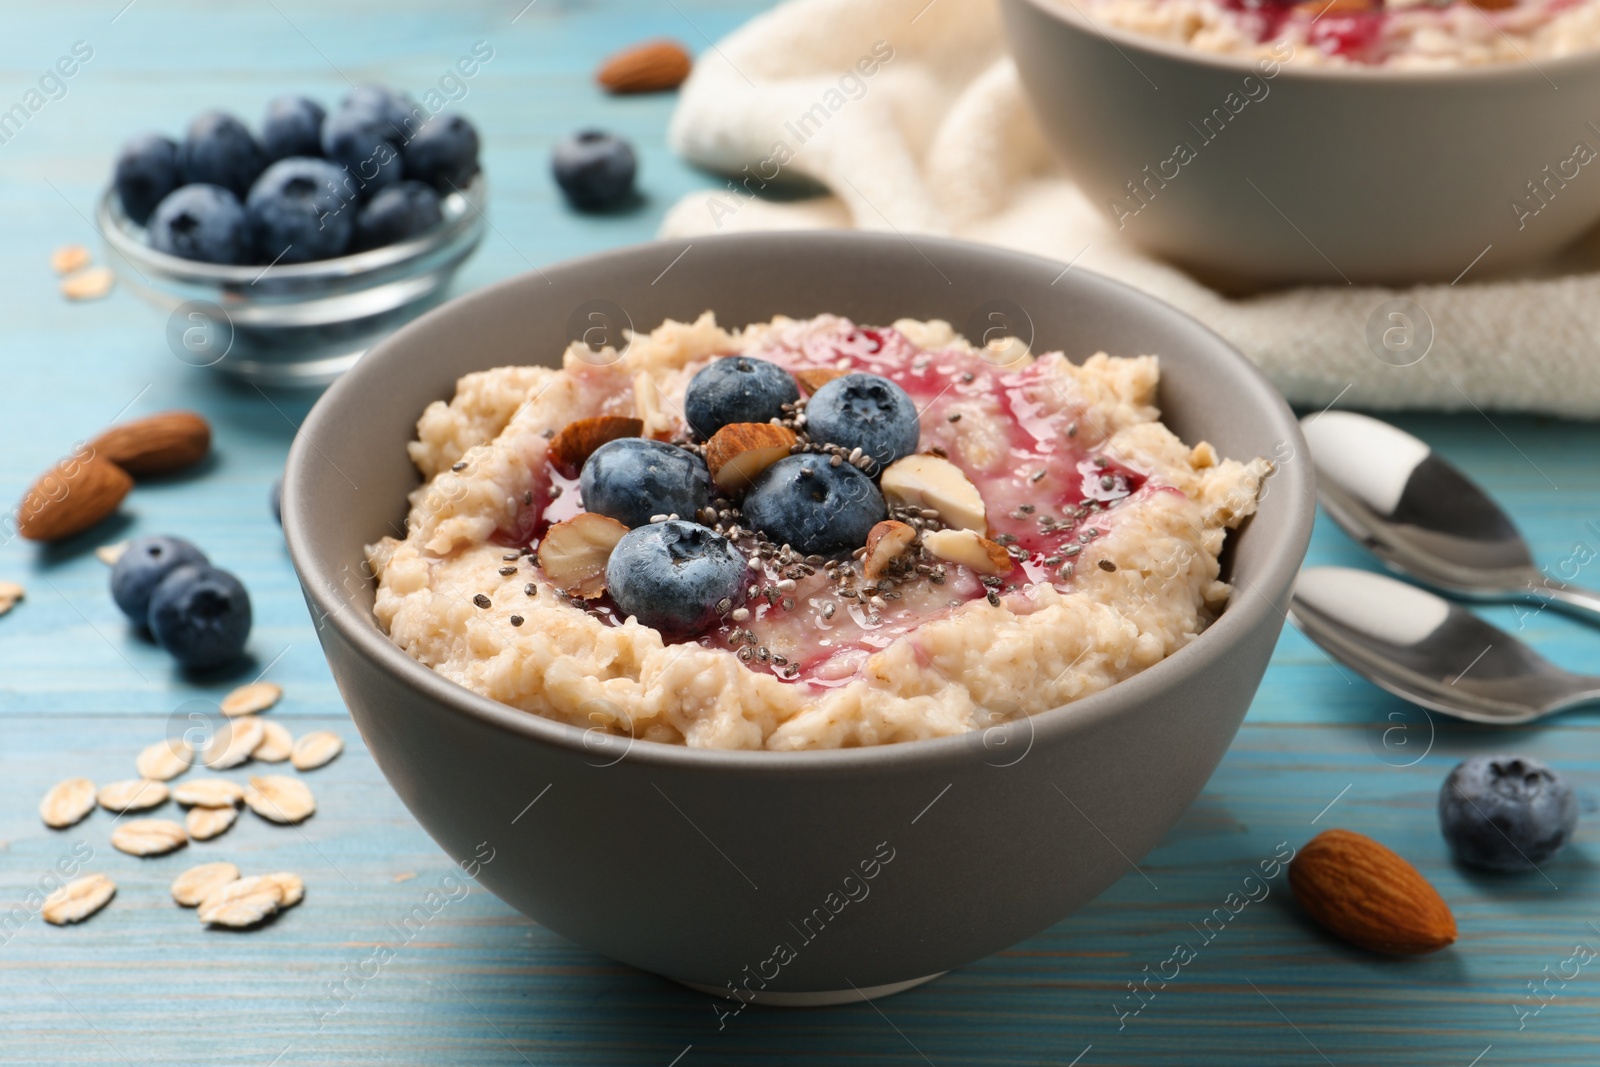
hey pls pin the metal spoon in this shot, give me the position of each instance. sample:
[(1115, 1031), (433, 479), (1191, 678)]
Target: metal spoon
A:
[(1427, 650), (1423, 517)]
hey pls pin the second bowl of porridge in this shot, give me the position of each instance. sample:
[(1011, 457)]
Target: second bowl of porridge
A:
[(1260, 143)]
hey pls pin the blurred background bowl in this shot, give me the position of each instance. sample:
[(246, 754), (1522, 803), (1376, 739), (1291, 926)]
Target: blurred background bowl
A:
[(1323, 175), (300, 324)]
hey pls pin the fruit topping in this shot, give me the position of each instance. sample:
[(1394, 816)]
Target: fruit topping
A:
[(571, 448), (928, 481), (887, 543), (594, 169), (573, 553), (633, 480), (969, 549), (1506, 813), (737, 389), (864, 411), (741, 450), (675, 576), (808, 503)]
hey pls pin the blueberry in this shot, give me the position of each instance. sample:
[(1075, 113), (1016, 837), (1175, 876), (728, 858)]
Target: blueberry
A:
[(201, 615), (140, 569), (632, 479), (396, 108), (594, 169), (147, 170), (867, 412), (444, 153), (397, 213), (297, 211), (366, 143), (202, 222), (293, 127), (672, 576), (814, 507), (737, 389), (1506, 813), (218, 150)]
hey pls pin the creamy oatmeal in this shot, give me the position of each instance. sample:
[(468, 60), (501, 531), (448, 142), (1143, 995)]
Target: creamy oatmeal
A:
[(1395, 34), (1046, 537)]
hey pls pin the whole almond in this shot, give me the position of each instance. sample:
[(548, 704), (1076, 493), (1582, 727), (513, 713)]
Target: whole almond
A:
[(157, 444), (1361, 891), (578, 440), (741, 450), (651, 67), (71, 497)]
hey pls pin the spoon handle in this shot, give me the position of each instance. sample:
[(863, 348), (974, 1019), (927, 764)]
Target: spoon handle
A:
[(1571, 598)]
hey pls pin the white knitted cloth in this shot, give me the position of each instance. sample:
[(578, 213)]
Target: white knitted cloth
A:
[(909, 116)]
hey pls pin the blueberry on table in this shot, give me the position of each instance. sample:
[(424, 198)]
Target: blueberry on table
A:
[(865, 411), (443, 153), (140, 569), (301, 209), (737, 389), (806, 502), (594, 169), (201, 615), (218, 150), (293, 127), (1506, 813), (146, 171), (633, 479), (396, 214), (365, 142), (202, 222), (674, 576)]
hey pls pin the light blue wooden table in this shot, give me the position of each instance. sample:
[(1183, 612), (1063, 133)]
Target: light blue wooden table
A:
[(477, 983)]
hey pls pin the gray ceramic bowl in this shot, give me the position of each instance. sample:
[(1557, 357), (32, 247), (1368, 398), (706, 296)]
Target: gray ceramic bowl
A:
[(697, 864), (1312, 175)]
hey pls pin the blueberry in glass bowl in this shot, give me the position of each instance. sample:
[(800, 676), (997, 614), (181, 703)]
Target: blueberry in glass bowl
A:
[(282, 255)]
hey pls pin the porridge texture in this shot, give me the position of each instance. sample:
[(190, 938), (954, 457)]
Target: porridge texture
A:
[(1395, 34), (1048, 538)]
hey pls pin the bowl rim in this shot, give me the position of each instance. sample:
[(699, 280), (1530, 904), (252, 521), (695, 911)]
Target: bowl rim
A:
[(1282, 556), (113, 226), (1069, 12)]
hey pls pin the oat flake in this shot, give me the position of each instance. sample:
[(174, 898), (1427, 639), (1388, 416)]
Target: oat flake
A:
[(315, 749), (209, 792), (233, 743), (148, 837), (164, 760), (132, 794), (197, 883), (242, 903), (78, 899), (280, 798), (205, 823), (67, 802), (249, 699), (276, 743)]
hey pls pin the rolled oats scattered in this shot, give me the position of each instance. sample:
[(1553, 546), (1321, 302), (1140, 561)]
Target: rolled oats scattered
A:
[(249, 699), (294, 889), (164, 760), (241, 903), (69, 258), (205, 823), (109, 554), (78, 899), (90, 283), (132, 794), (197, 883), (67, 802), (148, 837), (209, 792), (233, 743), (276, 743), (12, 591), (280, 798), (315, 749)]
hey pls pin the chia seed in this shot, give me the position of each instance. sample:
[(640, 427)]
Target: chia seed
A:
[(516, 620), (506, 572), (1036, 475), (994, 598), (527, 497), (954, 416), (482, 601), (528, 589), (1107, 565), (459, 467)]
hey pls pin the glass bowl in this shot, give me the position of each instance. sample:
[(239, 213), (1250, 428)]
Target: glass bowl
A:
[(293, 324)]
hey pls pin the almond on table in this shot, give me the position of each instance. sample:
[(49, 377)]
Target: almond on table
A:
[(1361, 891), (156, 444), (650, 67)]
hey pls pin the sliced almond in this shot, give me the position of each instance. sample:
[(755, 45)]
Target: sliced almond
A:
[(315, 749), (650, 67), (208, 792), (90, 283), (109, 554), (573, 553), (741, 450), (277, 744), (156, 444), (924, 481), (280, 798), (886, 542), (657, 424), (148, 837), (197, 883), (968, 549), (577, 440), (78, 899), (132, 794), (249, 699), (233, 743), (70, 258), (67, 802), (205, 823), (164, 760), (813, 378), (291, 885), (241, 903)]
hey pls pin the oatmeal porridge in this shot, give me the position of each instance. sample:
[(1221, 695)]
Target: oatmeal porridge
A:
[(806, 534)]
